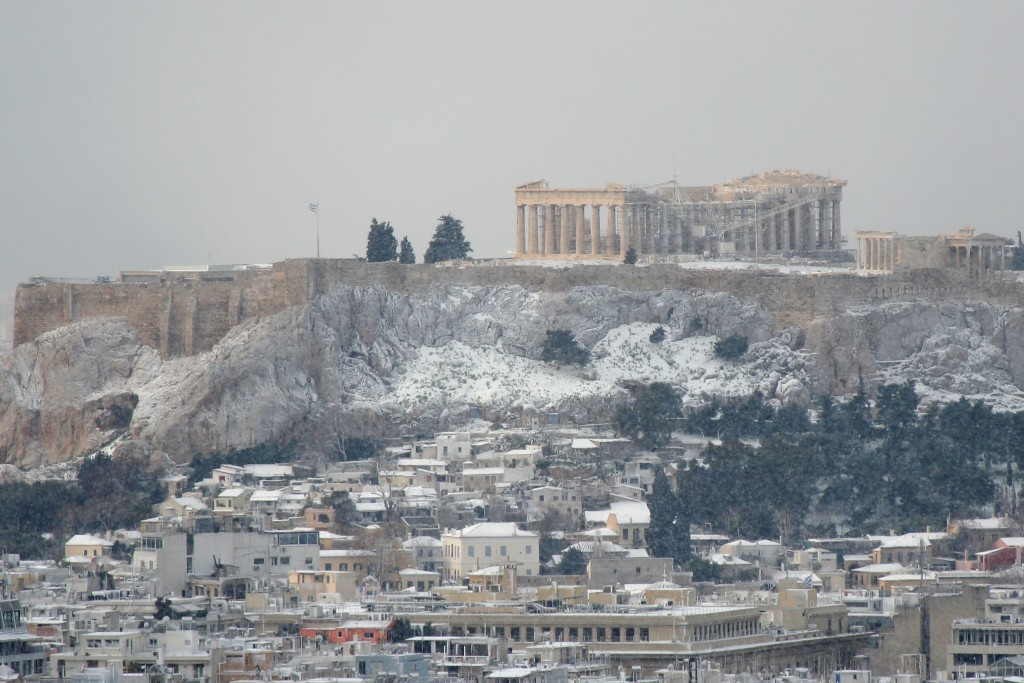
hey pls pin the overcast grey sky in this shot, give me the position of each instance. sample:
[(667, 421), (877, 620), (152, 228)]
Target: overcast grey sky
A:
[(143, 134)]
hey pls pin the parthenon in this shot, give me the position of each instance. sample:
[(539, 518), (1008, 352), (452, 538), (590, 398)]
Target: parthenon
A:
[(778, 212)]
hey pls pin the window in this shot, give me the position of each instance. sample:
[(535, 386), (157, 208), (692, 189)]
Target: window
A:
[(529, 550), (258, 561), (487, 551), (327, 566), (287, 560), (625, 534), (472, 551), (503, 551)]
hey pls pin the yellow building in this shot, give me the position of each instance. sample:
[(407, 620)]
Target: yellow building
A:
[(488, 544), (86, 546)]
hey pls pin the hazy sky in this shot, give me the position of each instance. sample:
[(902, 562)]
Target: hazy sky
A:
[(142, 134)]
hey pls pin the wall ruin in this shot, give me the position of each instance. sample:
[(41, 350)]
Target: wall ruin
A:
[(185, 316)]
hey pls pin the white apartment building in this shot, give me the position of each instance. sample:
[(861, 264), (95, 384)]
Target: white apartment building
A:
[(488, 544)]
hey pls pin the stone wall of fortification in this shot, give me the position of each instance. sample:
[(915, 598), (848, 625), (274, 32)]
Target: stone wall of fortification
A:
[(181, 317)]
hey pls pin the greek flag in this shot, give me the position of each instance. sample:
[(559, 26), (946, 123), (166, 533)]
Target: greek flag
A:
[(314, 207), (809, 581)]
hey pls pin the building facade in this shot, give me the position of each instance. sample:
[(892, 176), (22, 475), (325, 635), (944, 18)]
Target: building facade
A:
[(489, 544)]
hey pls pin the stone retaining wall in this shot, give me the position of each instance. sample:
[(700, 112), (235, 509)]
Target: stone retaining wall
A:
[(183, 316)]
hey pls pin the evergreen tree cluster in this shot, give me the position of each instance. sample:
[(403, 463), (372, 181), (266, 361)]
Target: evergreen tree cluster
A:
[(651, 414), (107, 494), (382, 246), (868, 466), (900, 468)]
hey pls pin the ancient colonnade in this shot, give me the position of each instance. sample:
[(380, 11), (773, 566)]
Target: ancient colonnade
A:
[(606, 222), (877, 251)]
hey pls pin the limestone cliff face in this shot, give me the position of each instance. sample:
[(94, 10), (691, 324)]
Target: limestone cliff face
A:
[(367, 361), (69, 391)]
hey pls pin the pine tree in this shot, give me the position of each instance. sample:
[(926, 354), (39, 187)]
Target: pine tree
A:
[(405, 253), (650, 416), (448, 242), (381, 244), (630, 258)]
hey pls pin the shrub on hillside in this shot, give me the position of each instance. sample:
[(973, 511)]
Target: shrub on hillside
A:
[(733, 346)]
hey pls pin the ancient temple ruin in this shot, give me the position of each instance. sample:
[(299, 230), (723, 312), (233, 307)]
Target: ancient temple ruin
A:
[(773, 213), (978, 256)]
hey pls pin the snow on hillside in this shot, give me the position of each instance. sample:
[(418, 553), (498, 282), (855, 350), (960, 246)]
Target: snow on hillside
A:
[(463, 374)]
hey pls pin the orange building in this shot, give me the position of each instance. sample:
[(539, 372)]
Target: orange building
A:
[(365, 630)]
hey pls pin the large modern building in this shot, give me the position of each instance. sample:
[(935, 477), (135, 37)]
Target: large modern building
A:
[(778, 212)]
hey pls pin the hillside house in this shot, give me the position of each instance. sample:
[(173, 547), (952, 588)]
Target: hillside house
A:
[(486, 544)]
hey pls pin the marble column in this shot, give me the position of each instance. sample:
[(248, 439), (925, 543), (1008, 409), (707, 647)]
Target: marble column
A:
[(549, 229), (837, 233), (531, 233), (609, 247), (624, 230), (636, 232), (581, 236), (595, 229), (563, 231), (520, 230), (650, 221)]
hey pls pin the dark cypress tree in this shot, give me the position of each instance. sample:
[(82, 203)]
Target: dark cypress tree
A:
[(381, 244), (405, 253), (448, 242), (669, 532)]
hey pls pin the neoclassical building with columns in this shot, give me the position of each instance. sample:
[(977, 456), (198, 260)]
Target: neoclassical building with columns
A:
[(772, 213)]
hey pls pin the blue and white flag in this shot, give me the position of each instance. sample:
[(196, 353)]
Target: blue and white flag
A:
[(809, 581), (314, 207)]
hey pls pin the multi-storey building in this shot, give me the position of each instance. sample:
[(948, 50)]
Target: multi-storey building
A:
[(488, 544), (19, 649)]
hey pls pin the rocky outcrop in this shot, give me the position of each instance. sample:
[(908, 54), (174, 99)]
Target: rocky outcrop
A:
[(67, 393), (368, 361)]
